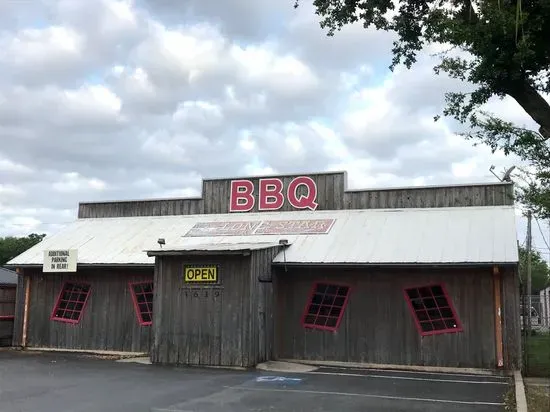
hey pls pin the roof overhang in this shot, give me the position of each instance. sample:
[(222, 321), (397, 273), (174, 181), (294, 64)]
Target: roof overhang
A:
[(214, 249), (399, 265)]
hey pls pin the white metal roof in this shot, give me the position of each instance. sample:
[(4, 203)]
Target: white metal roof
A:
[(375, 236)]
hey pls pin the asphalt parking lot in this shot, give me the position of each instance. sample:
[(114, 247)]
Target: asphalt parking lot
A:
[(52, 382)]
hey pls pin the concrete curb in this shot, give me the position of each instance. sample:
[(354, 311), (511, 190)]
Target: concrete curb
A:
[(86, 351), (377, 366), (521, 399), (277, 366)]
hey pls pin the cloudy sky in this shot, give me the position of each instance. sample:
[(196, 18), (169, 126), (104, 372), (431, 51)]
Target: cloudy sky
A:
[(111, 99)]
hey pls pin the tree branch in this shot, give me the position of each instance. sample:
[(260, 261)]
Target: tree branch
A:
[(534, 104)]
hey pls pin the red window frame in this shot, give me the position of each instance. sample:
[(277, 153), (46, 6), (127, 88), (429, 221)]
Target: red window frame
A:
[(310, 319), (139, 313), (60, 300), (431, 310)]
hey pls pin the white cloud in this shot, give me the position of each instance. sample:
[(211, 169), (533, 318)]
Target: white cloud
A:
[(129, 99)]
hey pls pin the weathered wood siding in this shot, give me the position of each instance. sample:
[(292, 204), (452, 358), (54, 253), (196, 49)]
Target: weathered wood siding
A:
[(511, 327), (261, 305), (108, 322), (331, 195), (378, 327), (19, 307), (228, 324), (491, 194), (7, 311), (156, 207)]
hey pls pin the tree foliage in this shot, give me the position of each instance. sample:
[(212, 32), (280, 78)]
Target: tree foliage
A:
[(11, 247), (501, 47), (540, 273)]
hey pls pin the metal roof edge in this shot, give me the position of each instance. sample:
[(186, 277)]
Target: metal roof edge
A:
[(395, 265)]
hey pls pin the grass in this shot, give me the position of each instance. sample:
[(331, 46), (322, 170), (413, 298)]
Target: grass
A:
[(538, 399), (537, 355), (510, 399)]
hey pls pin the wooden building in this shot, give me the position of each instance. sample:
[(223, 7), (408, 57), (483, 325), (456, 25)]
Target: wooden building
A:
[(287, 267), (8, 290)]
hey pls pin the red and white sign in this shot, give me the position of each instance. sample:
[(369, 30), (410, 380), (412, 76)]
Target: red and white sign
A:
[(262, 227), (272, 194)]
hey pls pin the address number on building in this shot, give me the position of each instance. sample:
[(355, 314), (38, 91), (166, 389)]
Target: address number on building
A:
[(200, 274)]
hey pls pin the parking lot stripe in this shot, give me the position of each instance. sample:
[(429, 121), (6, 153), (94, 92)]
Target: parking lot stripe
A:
[(364, 395), (410, 378), (465, 375)]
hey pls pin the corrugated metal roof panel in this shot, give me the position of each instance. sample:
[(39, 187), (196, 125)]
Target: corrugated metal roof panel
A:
[(375, 236), (8, 277)]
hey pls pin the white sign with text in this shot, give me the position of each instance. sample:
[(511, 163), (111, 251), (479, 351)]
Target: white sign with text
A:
[(60, 260)]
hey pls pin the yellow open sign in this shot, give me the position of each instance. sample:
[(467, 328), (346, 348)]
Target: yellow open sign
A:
[(201, 274)]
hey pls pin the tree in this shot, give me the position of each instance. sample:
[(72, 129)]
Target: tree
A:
[(503, 50), (11, 247), (540, 273)]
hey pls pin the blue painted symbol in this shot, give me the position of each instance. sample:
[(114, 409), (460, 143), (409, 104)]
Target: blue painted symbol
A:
[(280, 379)]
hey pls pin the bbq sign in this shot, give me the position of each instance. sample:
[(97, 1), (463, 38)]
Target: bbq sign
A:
[(271, 194), (200, 274)]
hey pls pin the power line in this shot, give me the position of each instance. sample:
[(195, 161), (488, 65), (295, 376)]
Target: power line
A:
[(542, 234)]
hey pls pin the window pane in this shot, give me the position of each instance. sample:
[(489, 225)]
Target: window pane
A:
[(441, 301), (439, 325), (328, 300), (324, 311), (339, 301), (321, 287), (422, 315), (434, 314), (429, 303), (437, 290), (335, 311), (413, 293), (318, 299), (309, 320), (146, 317), (426, 326), (327, 306), (450, 324), (446, 312), (425, 292), (313, 309), (343, 291), (331, 290)]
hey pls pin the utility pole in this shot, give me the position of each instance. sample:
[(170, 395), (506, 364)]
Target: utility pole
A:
[(529, 217)]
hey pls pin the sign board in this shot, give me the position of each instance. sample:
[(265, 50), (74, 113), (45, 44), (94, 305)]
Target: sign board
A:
[(300, 193), (60, 260), (261, 227), (200, 274)]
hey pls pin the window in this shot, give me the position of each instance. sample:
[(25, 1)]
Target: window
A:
[(71, 302), (433, 310), (142, 295), (326, 306)]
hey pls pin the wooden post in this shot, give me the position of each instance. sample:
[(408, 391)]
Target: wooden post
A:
[(497, 282), (27, 283)]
